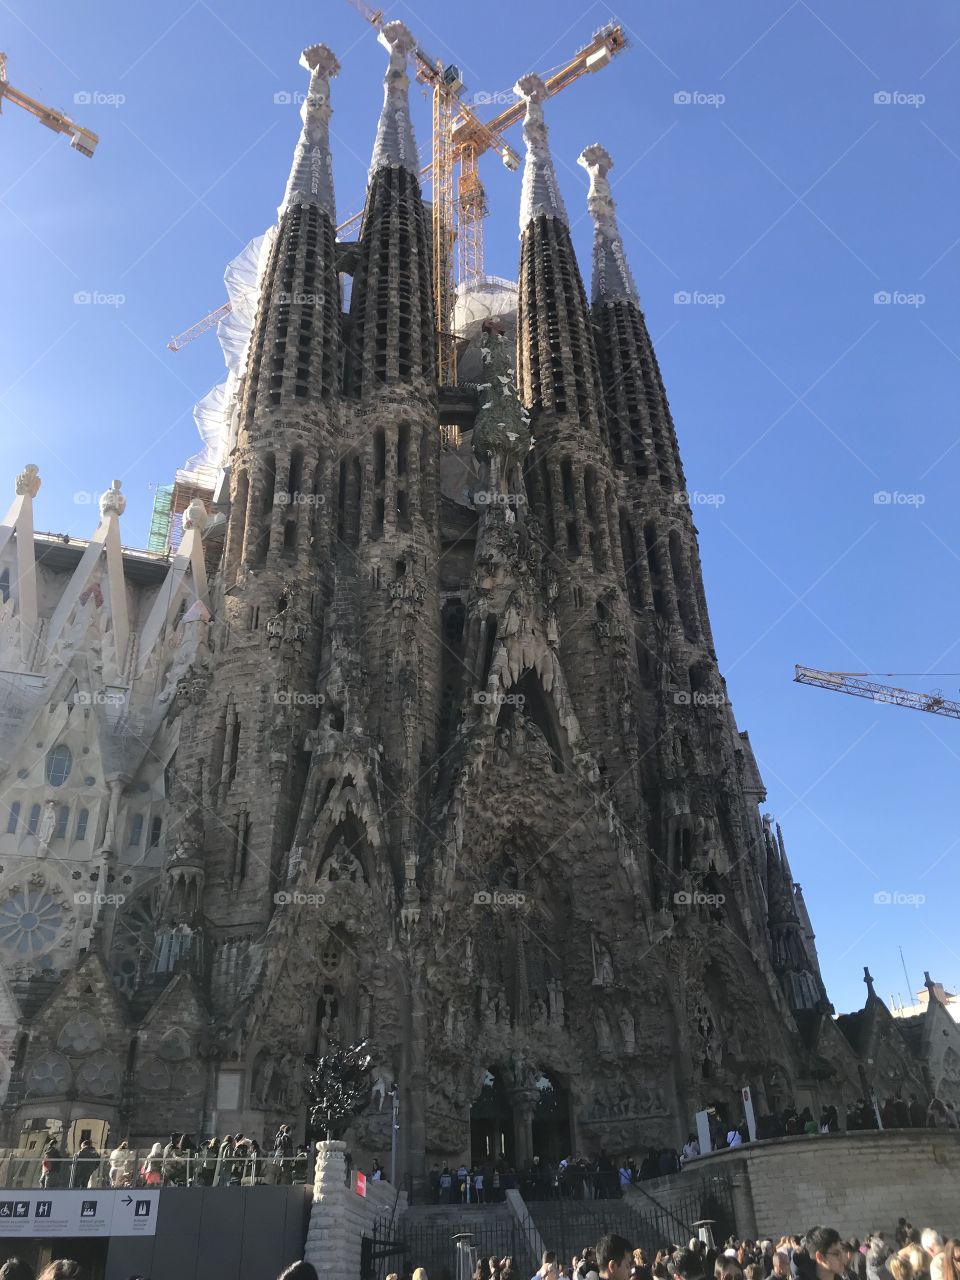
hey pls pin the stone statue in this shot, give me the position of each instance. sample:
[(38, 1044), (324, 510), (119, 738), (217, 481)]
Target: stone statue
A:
[(364, 1008), (604, 1036), (555, 997), (628, 1030), (602, 965), (48, 824)]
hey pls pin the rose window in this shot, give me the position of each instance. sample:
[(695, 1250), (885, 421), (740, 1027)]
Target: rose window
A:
[(48, 1075), (29, 923)]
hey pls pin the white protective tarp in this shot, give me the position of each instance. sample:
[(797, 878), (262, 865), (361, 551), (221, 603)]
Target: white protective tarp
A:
[(215, 414)]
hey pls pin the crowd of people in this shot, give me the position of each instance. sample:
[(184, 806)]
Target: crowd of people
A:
[(573, 1178), (68, 1269), (235, 1160)]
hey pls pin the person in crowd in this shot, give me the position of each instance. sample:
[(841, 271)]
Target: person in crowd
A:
[(63, 1269), (944, 1266), (641, 1269), (420, 1274), (188, 1155), (614, 1257), (931, 1242), (875, 1259), (691, 1149), (781, 1265), (734, 1138), (121, 1166), (299, 1271), (479, 1180), (152, 1169), (16, 1269), (624, 1176), (377, 1174), (173, 1167), (86, 1164), (821, 1257), (902, 1232), (50, 1166), (936, 1114), (689, 1265), (301, 1165), (851, 1252), (548, 1267), (207, 1163), (918, 1113), (446, 1185), (727, 1268)]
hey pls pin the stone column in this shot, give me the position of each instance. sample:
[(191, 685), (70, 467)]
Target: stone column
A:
[(329, 1234)]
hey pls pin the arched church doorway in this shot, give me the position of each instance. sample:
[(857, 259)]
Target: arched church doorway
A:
[(491, 1123), (551, 1122)]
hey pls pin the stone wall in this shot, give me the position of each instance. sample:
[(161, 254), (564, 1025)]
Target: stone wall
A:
[(855, 1182), (340, 1217)]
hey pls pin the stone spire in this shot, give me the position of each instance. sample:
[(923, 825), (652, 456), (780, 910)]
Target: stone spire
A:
[(311, 175), (395, 147), (612, 280), (541, 193)]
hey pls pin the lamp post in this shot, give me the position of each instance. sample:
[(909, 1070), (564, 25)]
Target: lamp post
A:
[(394, 1126)]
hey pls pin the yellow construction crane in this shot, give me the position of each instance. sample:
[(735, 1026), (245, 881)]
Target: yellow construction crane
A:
[(860, 685), (82, 140), (460, 137)]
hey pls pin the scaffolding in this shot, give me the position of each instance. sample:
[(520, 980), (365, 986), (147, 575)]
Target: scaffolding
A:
[(172, 500)]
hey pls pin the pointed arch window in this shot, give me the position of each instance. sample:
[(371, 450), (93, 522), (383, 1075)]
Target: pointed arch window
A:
[(34, 820), (136, 830), (13, 818), (63, 817), (83, 817), (59, 764), (156, 826)]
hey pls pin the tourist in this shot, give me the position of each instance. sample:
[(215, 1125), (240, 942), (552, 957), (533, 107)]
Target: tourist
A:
[(548, 1267), (918, 1113), (931, 1242), (173, 1169), (614, 1258), (50, 1166), (478, 1183), (727, 1268), (624, 1175), (641, 1269), (152, 1168), (878, 1251), (299, 1271), (781, 1265), (224, 1157), (377, 1175), (63, 1269), (936, 1115), (821, 1255), (121, 1166), (691, 1149), (208, 1163), (16, 1269), (446, 1186), (945, 1265), (419, 1274), (86, 1165), (301, 1165), (688, 1265)]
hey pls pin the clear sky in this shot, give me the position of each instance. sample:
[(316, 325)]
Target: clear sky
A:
[(777, 190)]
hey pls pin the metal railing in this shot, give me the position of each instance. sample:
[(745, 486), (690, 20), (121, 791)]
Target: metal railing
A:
[(203, 1169)]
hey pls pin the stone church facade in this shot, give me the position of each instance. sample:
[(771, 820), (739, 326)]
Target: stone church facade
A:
[(419, 736)]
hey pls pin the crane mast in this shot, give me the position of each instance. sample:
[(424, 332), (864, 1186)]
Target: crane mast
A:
[(857, 684)]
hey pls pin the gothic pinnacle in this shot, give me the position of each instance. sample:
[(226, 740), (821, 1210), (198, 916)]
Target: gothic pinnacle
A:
[(395, 147), (311, 176), (612, 280), (541, 194)]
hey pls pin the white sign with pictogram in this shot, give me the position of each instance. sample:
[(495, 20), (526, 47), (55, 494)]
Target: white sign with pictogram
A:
[(52, 1214)]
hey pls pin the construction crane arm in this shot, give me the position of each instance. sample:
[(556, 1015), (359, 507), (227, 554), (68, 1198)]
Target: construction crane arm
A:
[(606, 43), (859, 686), (82, 140)]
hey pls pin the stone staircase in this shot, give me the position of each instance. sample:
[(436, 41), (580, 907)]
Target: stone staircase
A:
[(427, 1231), (568, 1225)]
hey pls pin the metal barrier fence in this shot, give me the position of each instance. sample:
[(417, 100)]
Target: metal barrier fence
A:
[(402, 1246), (142, 1170)]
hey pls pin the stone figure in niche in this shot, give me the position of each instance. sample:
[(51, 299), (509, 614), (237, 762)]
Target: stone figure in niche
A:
[(628, 1030), (602, 965), (263, 1078), (341, 865), (48, 824), (602, 1028), (555, 997), (364, 1009), (538, 1011)]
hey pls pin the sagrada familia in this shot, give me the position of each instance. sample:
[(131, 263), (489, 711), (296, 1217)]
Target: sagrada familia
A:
[(418, 736)]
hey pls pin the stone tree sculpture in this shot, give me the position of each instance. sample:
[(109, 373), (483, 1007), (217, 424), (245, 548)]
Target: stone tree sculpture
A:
[(338, 1087)]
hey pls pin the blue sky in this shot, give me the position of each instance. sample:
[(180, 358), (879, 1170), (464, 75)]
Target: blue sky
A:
[(782, 185)]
